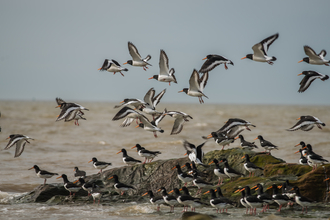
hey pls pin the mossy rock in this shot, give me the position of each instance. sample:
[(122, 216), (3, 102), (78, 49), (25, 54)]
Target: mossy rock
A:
[(286, 169)]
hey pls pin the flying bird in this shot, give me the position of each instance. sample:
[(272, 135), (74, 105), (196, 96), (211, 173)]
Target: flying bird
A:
[(306, 123), (309, 77), (112, 66), (129, 115), (67, 109), (165, 75), (260, 50), (212, 61), (20, 141), (137, 60), (180, 119), (75, 115), (152, 101), (196, 85), (313, 58), (136, 103)]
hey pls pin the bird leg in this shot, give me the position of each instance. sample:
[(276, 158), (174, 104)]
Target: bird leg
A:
[(45, 182), (155, 135), (121, 74), (226, 66), (122, 193)]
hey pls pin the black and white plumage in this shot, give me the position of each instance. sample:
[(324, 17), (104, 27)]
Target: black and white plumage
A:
[(302, 159), (155, 200), (185, 178), (120, 187), (260, 50), (136, 103), (249, 166), (195, 202), (165, 74), (253, 201), (75, 115), (99, 164), (266, 144), (200, 183), (151, 126), (230, 172), (313, 58), (152, 101), (306, 123), (218, 203), (229, 202), (279, 198), (169, 199), (67, 109), (70, 186), (220, 138), (212, 61), (20, 140), (85, 185), (245, 144), (264, 197), (147, 154), (43, 173), (309, 77), (180, 119), (242, 199), (218, 171), (197, 85), (96, 193), (234, 122), (195, 154), (136, 57), (112, 66), (314, 158), (185, 200), (79, 173), (129, 115), (303, 201), (127, 159)]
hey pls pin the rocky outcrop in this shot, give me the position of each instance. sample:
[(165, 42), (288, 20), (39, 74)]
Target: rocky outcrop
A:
[(154, 175)]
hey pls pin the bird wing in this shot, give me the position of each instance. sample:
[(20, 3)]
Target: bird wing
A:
[(133, 51), (322, 54), (157, 99), (124, 112), (189, 146), (310, 52), (59, 101), (20, 147), (306, 82), (13, 141), (211, 63), (267, 42), (116, 63), (149, 96), (203, 81), (65, 112), (177, 126), (194, 81), (163, 64)]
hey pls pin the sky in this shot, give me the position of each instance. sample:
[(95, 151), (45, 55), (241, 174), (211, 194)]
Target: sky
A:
[(53, 49)]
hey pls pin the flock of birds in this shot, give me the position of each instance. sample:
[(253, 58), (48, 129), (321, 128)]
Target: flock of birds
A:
[(135, 109)]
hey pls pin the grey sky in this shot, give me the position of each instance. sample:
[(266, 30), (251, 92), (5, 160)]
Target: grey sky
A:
[(53, 49)]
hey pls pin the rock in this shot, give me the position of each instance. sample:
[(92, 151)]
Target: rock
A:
[(195, 216), (154, 175)]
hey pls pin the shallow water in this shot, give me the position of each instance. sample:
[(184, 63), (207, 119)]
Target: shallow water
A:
[(60, 146)]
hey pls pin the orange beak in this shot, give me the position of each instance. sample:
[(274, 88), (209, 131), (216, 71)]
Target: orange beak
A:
[(159, 190), (59, 177), (124, 63), (183, 166), (298, 118), (237, 191), (279, 187), (75, 181), (269, 187), (300, 61), (180, 91), (209, 136), (119, 152), (211, 162), (297, 145), (31, 168), (185, 154), (243, 58), (243, 157), (256, 138), (296, 152), (236, 137), (207, 191), (58, 106), (204, 58), (137, 126), (110, 178), (327, 179), (254, 187), (99, 68), (151, 78), (145, 194), (299, 74), (90, 161), (133, 147)]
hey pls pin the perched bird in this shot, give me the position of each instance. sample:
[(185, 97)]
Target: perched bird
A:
[(96, 193), (155, 200), (218, 171), (301, 200), (217, 203), (136, 103), (20, 141), (313, 58), (195, 154), (302, 159), (67, 109), (127, 159), (85, 186), (120, 187), (99, 164), (266, 144), (185, 200), (43, 173), (147, 154), (229, 202), (129, 115), (314, 158), (260, 50), (197, 85), (264, 197), (230, 172), (136, 57), (309, 77), (213, 61), (112, 66), (151, 126), (79, 173), (71, 187), (306, 123), (170, 200), (245, 144), (180, 119), (185, 178), (249, 166), (220, 138), (242, 199), (278, 197), (75, 115), (252, 200), (194, 202), (200, 184), (152, 101), (165, 75)]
